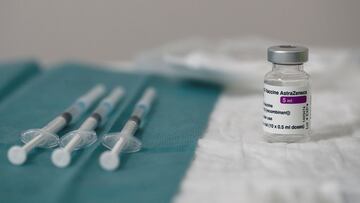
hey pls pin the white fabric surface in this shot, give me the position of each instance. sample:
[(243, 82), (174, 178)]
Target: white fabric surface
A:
[(233, 163)]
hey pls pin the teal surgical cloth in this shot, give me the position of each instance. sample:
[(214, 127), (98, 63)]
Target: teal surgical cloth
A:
[(169, 136), (14, 74)]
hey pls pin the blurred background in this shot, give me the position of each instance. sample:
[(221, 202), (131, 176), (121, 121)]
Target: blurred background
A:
[(115, 30)]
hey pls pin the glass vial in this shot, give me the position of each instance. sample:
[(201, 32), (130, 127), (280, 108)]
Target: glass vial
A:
[(287, 97)]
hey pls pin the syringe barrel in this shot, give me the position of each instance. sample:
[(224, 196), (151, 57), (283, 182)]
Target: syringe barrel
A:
[(145, 102), (108, 104), (148, 97), (93, 95), (82, 104)]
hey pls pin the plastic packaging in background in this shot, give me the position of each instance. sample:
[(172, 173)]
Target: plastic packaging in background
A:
[(226, 62), (234, 62)]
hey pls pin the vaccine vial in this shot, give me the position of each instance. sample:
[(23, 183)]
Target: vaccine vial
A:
[(287, 97)]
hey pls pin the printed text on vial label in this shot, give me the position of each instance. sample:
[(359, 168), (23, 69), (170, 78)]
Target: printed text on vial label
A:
[(286, 109)]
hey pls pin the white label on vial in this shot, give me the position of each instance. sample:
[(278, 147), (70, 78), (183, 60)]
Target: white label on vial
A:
[(286, 109)]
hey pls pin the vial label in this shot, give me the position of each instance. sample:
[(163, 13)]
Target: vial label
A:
[(286, 109)]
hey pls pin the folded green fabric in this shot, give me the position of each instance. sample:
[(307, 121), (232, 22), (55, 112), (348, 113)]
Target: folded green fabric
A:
[(169, 138), (15, 74)]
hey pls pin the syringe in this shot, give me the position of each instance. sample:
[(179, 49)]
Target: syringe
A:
[(85, 135), (46, 137), (124, 141)]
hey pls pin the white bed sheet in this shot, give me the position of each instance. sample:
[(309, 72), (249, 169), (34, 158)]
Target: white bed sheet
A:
[(233, 163)]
